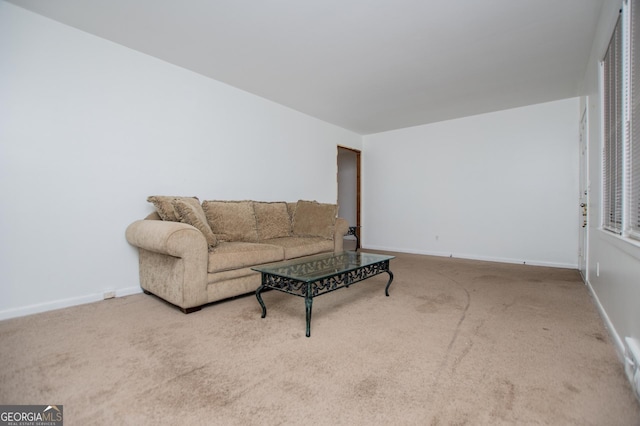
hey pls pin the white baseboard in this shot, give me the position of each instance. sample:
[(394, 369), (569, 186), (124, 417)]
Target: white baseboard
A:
[(62, 303), (617, 341), (475, 257), (128, 291), (620, 348)]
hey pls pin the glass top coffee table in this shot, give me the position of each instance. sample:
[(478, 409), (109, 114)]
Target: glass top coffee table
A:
[(313, 276)]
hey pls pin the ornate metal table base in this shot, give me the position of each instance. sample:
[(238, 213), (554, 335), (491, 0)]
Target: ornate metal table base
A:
[(353, 230), (310, 288)]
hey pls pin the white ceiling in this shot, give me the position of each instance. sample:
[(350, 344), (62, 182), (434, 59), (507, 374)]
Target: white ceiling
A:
[(365, 65)]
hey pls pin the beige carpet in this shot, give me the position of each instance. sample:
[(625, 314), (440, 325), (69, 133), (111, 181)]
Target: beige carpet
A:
[(457, 342)]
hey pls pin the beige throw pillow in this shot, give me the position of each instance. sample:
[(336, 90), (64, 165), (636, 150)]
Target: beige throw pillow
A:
[(193, 214), (164, 205), (313, 219), (231, 220), (272, 220)]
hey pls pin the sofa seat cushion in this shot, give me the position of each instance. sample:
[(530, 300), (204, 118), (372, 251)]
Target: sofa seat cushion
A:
[(301, 246), (238, 254), (231, 274)]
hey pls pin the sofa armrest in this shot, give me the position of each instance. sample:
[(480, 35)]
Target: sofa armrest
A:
[(342, 226), (173, 261), (172, 238)]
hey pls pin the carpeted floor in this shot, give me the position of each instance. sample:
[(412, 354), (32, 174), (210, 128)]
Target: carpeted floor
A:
[(457, 342)]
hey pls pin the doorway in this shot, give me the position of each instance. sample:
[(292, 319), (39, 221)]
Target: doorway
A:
[(349, 192)]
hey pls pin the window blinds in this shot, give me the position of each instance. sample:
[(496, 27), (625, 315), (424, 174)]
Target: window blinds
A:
[(613, 133), (634, 121)]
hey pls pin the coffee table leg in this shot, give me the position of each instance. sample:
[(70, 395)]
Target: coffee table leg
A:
[(264, 308), (308, 302), (386, 290)]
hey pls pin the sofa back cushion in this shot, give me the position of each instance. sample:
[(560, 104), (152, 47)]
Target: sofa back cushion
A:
[(164, 205), (193, 214), (231, 220), (313, 219), (272, 220)]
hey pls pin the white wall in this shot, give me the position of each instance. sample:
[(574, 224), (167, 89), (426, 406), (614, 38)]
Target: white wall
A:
[(89, 129), (501, 186), (617, 285)]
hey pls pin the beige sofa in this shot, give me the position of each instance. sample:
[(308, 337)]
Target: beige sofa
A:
[(192, 254)]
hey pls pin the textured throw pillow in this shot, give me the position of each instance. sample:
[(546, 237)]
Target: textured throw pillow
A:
[(231, 220), (313, 219), (192, 214), (164, 205), (272, 220)]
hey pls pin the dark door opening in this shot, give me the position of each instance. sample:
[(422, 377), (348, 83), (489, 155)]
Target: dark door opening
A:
[(349, 191)]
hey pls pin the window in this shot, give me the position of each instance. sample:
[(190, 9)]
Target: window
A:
[(613, 133), (621, 109), (634, 120)]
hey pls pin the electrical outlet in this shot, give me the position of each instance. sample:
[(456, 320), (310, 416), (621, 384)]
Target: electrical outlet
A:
[(109, 294)]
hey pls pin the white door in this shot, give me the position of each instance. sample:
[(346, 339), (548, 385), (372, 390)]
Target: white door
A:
[(583, 199)]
